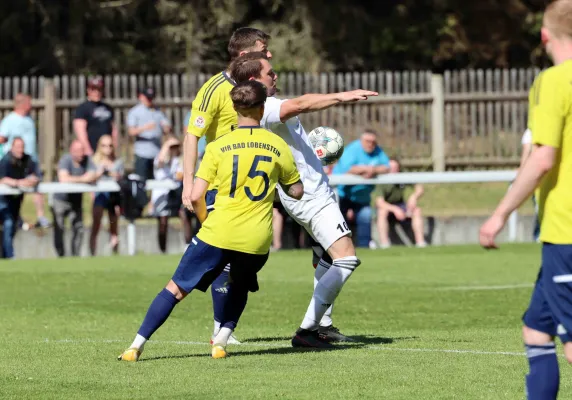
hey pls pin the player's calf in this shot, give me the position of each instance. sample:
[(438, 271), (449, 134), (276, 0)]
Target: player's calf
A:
[(543, 380)]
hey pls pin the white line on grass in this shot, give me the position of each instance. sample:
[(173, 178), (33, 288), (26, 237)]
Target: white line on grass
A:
[(274, 344), (492, 287)]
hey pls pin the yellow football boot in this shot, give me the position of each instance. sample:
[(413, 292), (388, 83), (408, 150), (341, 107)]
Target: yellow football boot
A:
[(218, 351), (130, 354)]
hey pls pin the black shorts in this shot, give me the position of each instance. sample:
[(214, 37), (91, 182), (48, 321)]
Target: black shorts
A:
[(144, 167)]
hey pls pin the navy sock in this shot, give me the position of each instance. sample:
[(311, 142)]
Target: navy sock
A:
[(158, 312), (219, 290), (543, 380), (234, 306)]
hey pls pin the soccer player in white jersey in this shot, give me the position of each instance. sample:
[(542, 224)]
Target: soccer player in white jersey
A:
[(318, 211)]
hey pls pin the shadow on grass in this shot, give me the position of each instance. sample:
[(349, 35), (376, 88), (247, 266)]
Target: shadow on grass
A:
[(273, 351), (358, 339), (239, 351)]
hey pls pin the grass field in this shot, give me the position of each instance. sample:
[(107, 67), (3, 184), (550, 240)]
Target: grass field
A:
[(438, 323)]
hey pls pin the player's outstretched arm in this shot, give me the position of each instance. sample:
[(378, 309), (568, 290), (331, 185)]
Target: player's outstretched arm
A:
[(316, 102), (198, 199), (190, 150), (296, 190)]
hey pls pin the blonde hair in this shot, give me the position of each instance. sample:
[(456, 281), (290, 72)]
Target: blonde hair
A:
[(558, 18), (98, 156)]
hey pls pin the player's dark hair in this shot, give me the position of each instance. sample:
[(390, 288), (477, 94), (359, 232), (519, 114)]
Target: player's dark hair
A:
[(370, 131), (244, 39), (247, 66), (248, 95)]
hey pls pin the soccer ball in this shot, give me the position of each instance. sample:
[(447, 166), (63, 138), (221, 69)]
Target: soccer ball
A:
[(328, 144)]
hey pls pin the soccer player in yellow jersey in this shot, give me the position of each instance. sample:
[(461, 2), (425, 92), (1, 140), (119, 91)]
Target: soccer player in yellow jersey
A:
[(248, 164), (212, 116), (548, 168)]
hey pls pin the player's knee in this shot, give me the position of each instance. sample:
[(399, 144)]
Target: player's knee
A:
[(533, 337), (343, 247), (568, 352), (175, 290)]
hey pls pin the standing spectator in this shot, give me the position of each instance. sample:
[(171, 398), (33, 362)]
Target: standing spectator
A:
[(365, 158), (94, 118), (19, 124), (75, 167), (168, 203), (111, 168), (147, 124), (392, 202), (526, 143), (17, 169)]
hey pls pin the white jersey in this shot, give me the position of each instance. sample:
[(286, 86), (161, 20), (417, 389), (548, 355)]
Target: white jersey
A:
[(309, 166)]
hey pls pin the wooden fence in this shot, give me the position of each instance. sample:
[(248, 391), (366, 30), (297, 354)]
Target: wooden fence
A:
[(461, 119)]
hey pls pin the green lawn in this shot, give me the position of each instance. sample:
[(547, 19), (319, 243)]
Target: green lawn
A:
[(437, 323), (439, 200)]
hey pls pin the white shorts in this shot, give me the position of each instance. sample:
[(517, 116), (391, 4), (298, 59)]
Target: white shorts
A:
[(320, 216)]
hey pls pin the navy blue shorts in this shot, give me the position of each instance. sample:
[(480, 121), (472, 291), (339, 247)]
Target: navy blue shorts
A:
[(202, 264), (210, 199), (550, 309)]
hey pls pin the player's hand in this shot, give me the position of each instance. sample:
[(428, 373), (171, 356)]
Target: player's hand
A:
[(148, 126), (411, 205), (356, 95), (186, 197), (399, 214), (490, 230)]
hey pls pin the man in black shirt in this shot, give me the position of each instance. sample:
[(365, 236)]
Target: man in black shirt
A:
[(19, 170), (94, 118)]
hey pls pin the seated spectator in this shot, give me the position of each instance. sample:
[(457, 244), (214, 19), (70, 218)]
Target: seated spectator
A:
[(19, 170), (110, 168), (167, 203), (392, 202), (366, 159), (75, 167)]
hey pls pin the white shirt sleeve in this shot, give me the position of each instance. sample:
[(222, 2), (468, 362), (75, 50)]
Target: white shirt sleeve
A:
[(526, 137), (271, 112)]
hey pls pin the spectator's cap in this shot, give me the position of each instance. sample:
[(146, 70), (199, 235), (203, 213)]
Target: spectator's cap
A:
[(95, 82), (148, 92)]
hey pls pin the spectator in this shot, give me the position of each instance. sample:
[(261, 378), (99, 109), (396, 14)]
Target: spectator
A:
[(147, 124), (392, 202), (526, 143), (94, 118), (19, 124), (366, 159), (167, 203), (111, 168), (75, 167), (17, 169)]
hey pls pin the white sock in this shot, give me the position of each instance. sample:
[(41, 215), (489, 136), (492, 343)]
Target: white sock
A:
[(327, 289), (321, 269), (138, 343), (216, 327), (222, 336)]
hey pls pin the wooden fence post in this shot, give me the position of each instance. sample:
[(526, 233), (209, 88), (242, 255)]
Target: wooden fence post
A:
[(438, 123), (49, 134)]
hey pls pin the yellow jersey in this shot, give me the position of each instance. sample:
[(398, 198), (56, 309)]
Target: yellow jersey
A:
[(550, 120), (248, 163), (212, 112)]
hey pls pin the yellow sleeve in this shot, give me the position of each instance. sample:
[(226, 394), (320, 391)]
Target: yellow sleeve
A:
[(549, 106), (209, 165), (288, 173), (204, 110)]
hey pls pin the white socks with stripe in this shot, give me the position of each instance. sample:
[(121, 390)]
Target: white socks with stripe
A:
[(321, 269), (327, 289)]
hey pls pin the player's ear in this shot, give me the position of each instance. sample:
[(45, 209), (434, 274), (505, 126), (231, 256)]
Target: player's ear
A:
[(251, 78), (544, 35)]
